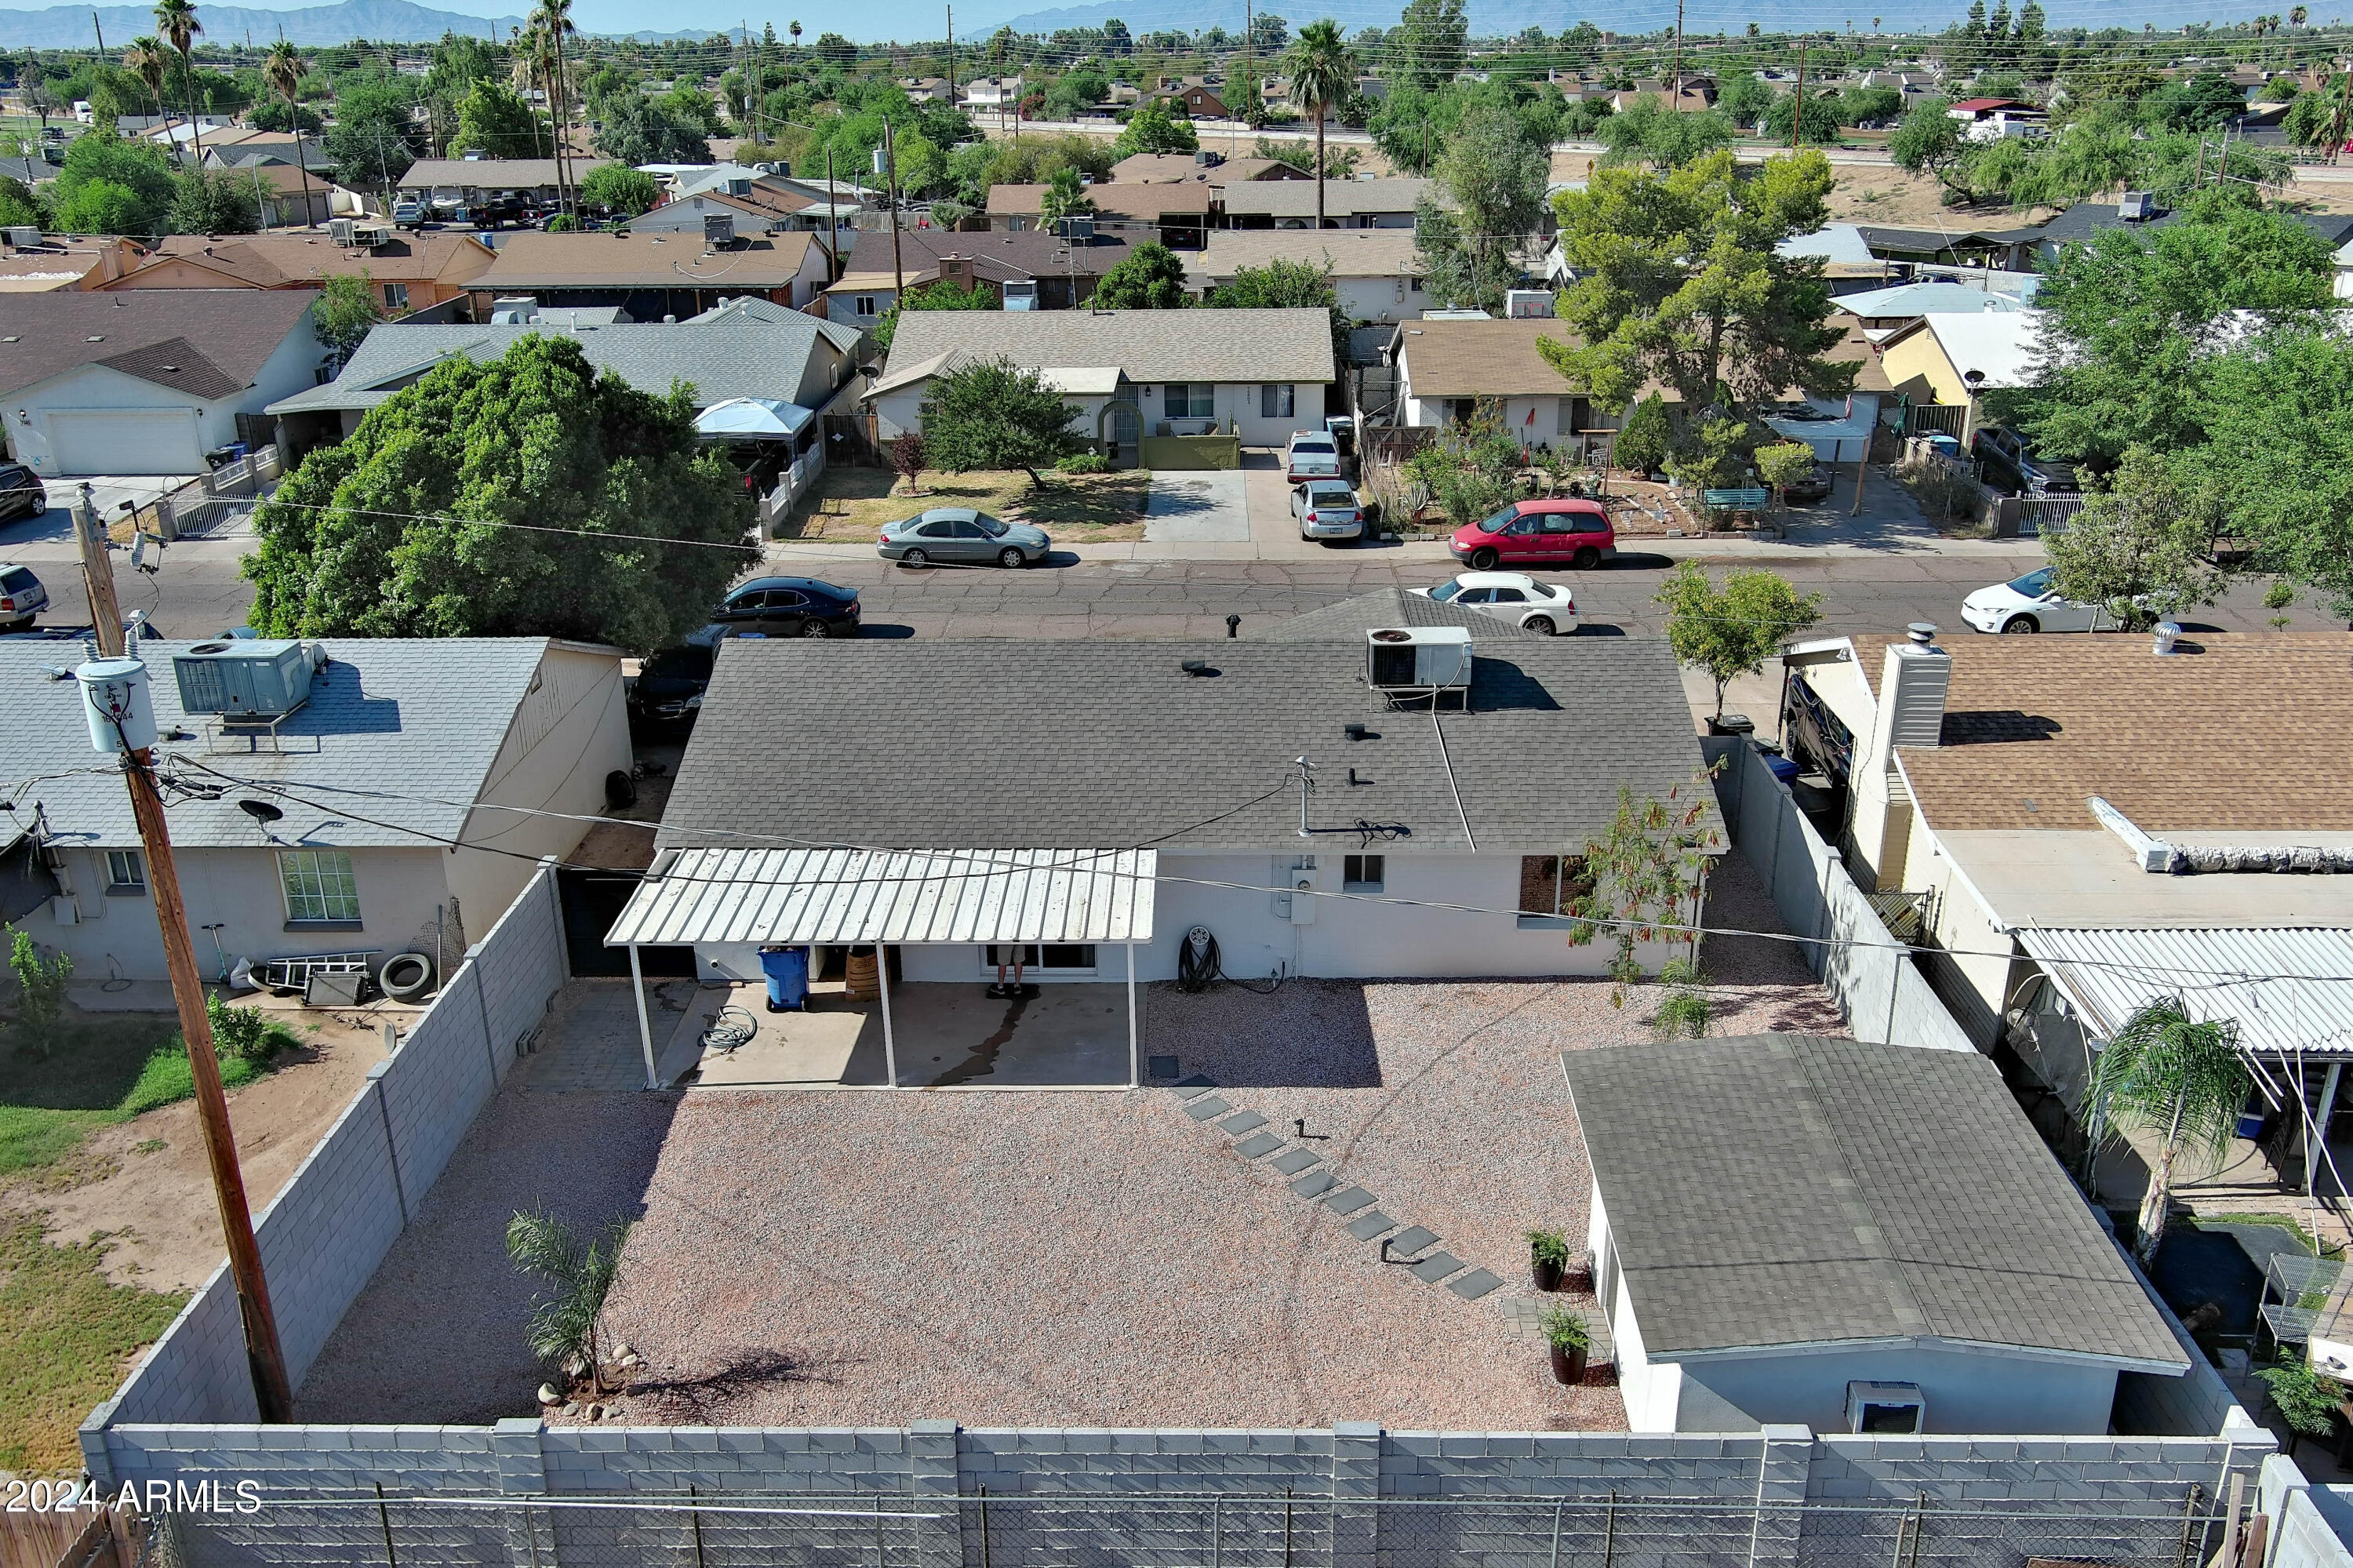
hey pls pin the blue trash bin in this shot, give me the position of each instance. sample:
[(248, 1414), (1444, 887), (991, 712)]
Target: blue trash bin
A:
[(788, 972)]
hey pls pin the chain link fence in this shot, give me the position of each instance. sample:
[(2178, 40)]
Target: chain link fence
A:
[(1162, 1531)]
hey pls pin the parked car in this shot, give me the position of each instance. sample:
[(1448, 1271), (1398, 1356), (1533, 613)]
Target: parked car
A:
[(1565, 529), (1547, 608), (22, 597), (2010, 465), (20, 491), (1812, 486), (1313, 454), (960, 534), (2030, 604), (1327, 509), (409, 213), (498, 212), (789, 607), (668, 690)]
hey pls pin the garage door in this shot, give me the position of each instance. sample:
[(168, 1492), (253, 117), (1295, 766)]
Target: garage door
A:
[(123, 440)]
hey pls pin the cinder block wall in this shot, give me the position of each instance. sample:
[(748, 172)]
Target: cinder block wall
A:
[(323, 1236)]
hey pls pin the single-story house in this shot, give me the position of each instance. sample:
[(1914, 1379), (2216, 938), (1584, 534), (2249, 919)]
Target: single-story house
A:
[(1176, 168), (2071, 872), (405, 271), (1130, 375), (147, 382), (1351, 618), (1347, 203), (1953, 358), (1029, 271), (2085, 219), (1178, 214), (1882, 311), (757, 204), (745, 348), (462, 182), (1374, 272), (59, 263), (1791, 1229), (1194, 99), (1445, 368), (454, 727), (1433, 858), (1848, 264), (650, 276)]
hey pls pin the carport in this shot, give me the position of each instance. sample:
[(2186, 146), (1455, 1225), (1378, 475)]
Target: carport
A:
[(887, 898)]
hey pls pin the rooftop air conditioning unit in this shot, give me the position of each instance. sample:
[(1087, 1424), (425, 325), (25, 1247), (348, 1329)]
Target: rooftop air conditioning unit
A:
[(472, 155), (2136, 206), (246, 679), (1021, 296), (23, 238), (1527, 304), (1418, 659), (340, 230), (1885, 1407), (718, 229), (370, 235), (739, 185)]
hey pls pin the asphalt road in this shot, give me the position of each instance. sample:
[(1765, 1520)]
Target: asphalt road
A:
[(197, 592)]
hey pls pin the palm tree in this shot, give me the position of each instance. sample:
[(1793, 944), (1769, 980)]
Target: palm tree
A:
[(795, 31), (1320, 71), (553, 19), (177, 20), (146, 60), (2296, 15), (564, 1326), (282, 69), (2165, 1070)]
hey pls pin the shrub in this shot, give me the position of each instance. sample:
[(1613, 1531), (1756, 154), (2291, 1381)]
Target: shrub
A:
[(1641, 443), (246, 1033), (1083, 462), (2303, 1401), (1549, 1246), (40, 987), (1565, 1330)]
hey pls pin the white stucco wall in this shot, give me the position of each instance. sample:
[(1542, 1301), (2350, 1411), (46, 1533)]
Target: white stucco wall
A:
[(399, 891), (1233, 404)]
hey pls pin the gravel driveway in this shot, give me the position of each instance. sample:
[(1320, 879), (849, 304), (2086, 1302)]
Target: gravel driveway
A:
[(1059, 1259)]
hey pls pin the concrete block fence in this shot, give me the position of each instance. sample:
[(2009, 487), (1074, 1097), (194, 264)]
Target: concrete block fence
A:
[(323, 1236)]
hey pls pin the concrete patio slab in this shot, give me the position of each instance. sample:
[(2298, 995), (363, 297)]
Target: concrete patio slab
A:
[(1196, 509)]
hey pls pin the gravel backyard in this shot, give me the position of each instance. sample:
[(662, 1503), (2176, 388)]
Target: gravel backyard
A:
[(1071, 1258)]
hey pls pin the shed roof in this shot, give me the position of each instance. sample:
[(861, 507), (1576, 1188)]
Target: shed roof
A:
[(1779, 1191), (2288, 991), (281, 261), (2004, 344), (1143, 200)]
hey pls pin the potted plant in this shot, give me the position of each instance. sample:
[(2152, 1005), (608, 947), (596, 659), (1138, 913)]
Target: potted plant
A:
[(1547, 1258), (1566, 1333)]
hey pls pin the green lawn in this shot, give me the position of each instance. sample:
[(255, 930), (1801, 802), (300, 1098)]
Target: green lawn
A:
[(98, 1069), (66, 1334)]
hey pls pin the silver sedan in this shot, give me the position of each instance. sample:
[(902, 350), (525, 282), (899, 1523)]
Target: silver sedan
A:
[(960, 534)]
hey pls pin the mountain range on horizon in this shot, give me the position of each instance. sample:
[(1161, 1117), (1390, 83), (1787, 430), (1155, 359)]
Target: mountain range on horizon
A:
[(388, 21)]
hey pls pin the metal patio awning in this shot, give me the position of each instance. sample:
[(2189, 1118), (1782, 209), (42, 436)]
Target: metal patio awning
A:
[(2288, 989), (797, 897)]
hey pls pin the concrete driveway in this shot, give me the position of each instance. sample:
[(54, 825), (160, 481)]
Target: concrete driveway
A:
[(1196, 508)]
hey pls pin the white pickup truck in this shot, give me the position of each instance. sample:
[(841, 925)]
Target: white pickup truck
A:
[(1313, 454)]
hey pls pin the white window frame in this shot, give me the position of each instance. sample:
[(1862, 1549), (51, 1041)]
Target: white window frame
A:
[(334, 887), (126, 872), (1033, 962), (864, 305), (1277, 400), (1191, 409), (395, 296)]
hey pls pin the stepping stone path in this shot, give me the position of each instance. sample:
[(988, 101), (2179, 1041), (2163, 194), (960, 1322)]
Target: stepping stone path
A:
[(1368, 1222)]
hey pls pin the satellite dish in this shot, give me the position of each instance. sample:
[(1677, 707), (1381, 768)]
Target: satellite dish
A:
[(261, 811)]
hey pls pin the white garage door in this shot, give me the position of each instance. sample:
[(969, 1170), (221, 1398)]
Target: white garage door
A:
[(126, 441)]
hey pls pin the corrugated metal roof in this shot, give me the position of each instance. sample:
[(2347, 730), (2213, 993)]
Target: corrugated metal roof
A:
[(2288, 989), (789, 897)]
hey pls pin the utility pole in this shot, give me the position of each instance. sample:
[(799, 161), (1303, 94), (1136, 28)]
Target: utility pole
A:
[(951, 57), (100, 32), (890, 166), (832, 221), (1797, 104), (1676, 86), (565, 200), (114, 687), (1250, 75)]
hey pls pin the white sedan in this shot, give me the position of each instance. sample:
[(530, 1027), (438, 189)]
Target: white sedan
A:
[(2030, 604), (1546, 608)]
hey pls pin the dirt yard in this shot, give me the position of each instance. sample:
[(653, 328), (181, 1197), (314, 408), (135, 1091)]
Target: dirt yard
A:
[(851, 504)]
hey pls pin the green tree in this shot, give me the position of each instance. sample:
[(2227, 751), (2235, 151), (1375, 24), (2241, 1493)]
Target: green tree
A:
[(1340, 162), (17, 207), (620, 190), (1492, 175), (2133, 321), (373, 139), (1064, 198), (1729, 631), (283, 69), (1156, 129), (1283, 285), (1075, 91), (494, 117), (1678, 282), (1149, 278), (1642, 441), (942, 296), (1644, 880), (2182, 1078), (1744, 98), (1320, 71), (567, 1319), (214, 201), (2278, 457), (832, 48), (636, 527), (636, 129), (147, 59), (1783, 463), (1823, 121), (139, 167), (346, 312), (1433, 40), (1648, 131), (994, 414), (40, 988), (176, 21), (102, 207), (1929, 142), (2142, 546)]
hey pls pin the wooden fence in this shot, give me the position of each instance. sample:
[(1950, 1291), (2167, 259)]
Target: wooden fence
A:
[(81, 1539)]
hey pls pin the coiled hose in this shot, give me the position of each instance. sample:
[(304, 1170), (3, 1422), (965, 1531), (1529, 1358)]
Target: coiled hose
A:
[(1198, 967)]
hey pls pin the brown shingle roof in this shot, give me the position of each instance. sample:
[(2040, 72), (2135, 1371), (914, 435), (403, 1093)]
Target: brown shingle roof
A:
[(2249, 732), (284, 261), (1028, 254), (1140, 199), (530, 260), (1177, 168), (217, 338), (1483, 359)]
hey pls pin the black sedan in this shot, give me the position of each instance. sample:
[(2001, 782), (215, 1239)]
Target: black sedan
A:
[(667, 691), (789, 607), (1807, 488), (20, 491)]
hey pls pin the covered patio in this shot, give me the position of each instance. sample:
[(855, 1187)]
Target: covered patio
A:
[(732, 906)]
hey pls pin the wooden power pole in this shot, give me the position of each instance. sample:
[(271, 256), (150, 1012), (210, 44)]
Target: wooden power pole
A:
[(272, 1396), (891, 168), (1797, 104)]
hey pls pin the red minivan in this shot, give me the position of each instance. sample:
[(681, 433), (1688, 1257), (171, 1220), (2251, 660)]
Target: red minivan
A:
[(1571, 530)]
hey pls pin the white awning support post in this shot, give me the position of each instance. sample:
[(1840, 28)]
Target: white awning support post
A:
[(645, 1025), (1135, 1063), (882, 981), (2316, 1132)]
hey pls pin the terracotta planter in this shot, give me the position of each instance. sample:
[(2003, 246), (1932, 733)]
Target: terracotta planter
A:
[(1568, 1365), (1545, 1275)]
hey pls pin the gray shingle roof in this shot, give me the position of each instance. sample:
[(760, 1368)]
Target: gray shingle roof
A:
[(734, 351), (1790, 1190), (2087, 218), (423, 716), (1150, 346), (214, 340), (1104, 744), (1349, 620), (1342, 199)]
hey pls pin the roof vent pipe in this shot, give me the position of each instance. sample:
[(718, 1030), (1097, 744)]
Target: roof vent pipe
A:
[(1923, 633)]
